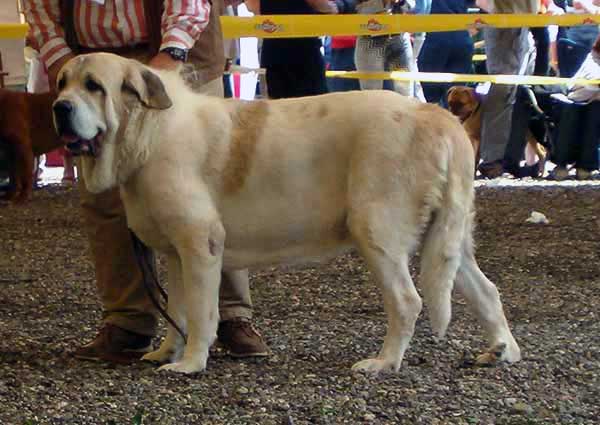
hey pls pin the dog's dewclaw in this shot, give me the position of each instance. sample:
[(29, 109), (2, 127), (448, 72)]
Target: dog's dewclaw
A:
[(491, 357)]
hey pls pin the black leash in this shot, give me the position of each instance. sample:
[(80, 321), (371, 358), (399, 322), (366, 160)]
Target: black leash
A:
[(150, 278)]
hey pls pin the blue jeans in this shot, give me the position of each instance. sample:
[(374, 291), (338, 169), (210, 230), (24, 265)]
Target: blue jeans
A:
[(342, 60), (570, 56), (444, 52)]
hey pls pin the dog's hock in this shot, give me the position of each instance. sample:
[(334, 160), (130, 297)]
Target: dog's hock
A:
[(148, 88)]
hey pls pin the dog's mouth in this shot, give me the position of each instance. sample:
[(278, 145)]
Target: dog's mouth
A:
[(460, 110), (78, 146)]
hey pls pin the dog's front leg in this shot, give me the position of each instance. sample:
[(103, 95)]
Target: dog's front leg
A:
[(171, 348), (201, 261)]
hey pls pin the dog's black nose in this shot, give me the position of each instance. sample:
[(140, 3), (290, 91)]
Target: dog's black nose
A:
[(63, 108), (62, 115)]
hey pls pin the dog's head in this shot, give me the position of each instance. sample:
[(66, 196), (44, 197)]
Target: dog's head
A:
[(101, 97), (462, 101)]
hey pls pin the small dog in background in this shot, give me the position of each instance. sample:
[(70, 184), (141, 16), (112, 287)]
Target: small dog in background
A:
[(465, 103), (26, 131)]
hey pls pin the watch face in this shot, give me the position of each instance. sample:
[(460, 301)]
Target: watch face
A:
[(177, 54)]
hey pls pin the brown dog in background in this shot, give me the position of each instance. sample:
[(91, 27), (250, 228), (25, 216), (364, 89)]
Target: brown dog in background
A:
[(464, 102), (26, 126)]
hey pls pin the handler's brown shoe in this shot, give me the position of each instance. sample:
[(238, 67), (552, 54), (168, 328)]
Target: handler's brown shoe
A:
[(241, 338), (115, 345)]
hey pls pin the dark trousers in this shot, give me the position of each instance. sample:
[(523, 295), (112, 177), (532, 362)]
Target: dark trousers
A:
[(578, 136), (518, 133), (570, 56), (342, 60), (444, 52), (542, 47), (296, 80)]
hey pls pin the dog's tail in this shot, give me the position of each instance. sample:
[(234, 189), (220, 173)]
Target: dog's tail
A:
[(445, 235)]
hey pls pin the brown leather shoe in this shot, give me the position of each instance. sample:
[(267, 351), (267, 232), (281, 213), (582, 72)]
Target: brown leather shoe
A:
[(115, 345), (241, 338)]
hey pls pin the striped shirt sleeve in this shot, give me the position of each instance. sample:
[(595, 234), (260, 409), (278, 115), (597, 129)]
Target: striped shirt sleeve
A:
[(183, 21), (43, 19)]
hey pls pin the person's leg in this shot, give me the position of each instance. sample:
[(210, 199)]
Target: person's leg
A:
[(276, 82), (399, 57), (587, 160), (571, 56), (542, 46), (311, 80), (369, 56), (518, 134), (342, 60), (506, 51), (433, 58), (565, 139), (129, 315)]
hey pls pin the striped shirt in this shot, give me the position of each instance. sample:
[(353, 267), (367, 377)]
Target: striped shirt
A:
[(112, 23)]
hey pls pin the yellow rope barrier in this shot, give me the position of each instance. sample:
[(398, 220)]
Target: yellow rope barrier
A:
[(440, 77), (290, 26)]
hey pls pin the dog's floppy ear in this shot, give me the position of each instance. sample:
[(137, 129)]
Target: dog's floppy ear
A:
[(450, 91), (148, 87)]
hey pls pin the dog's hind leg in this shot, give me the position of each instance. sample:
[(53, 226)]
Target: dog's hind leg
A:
[(386, 253), (484, 299), (171, 348)]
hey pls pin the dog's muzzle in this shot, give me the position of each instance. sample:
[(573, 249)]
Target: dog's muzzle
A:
[(63, 116)]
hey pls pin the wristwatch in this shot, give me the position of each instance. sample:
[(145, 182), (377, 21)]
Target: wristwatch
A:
[(176, 53)]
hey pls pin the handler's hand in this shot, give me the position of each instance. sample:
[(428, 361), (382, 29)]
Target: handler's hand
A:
[(55, 69), (164, 61)]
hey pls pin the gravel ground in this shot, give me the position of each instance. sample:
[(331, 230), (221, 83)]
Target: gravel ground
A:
[(318, 321)]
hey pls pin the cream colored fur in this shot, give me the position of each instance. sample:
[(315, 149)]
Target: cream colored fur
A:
[(224, 184)]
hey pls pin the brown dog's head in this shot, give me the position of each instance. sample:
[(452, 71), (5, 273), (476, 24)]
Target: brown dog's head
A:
[(462, 101), (101, 97)]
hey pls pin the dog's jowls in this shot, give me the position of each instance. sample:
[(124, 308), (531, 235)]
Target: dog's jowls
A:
[(228, 185), (26, 126)]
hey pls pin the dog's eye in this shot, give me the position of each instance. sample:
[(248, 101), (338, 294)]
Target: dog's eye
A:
[(93, 86), (62, 83)]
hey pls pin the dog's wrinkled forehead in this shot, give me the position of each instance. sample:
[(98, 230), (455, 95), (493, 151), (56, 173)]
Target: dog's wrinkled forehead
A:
[(82, 68)]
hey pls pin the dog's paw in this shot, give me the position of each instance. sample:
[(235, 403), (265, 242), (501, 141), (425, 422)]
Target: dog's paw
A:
[(501, 352), (184, 366), (376, 366), (159, 356)]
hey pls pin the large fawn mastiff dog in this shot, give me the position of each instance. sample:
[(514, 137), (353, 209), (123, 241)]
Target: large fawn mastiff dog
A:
[(227, 184)]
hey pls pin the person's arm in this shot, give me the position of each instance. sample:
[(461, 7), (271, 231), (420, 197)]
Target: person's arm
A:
[(483, 4), (253, 6), (323, 6), (43, 17), (587, 6), (182, 24)]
